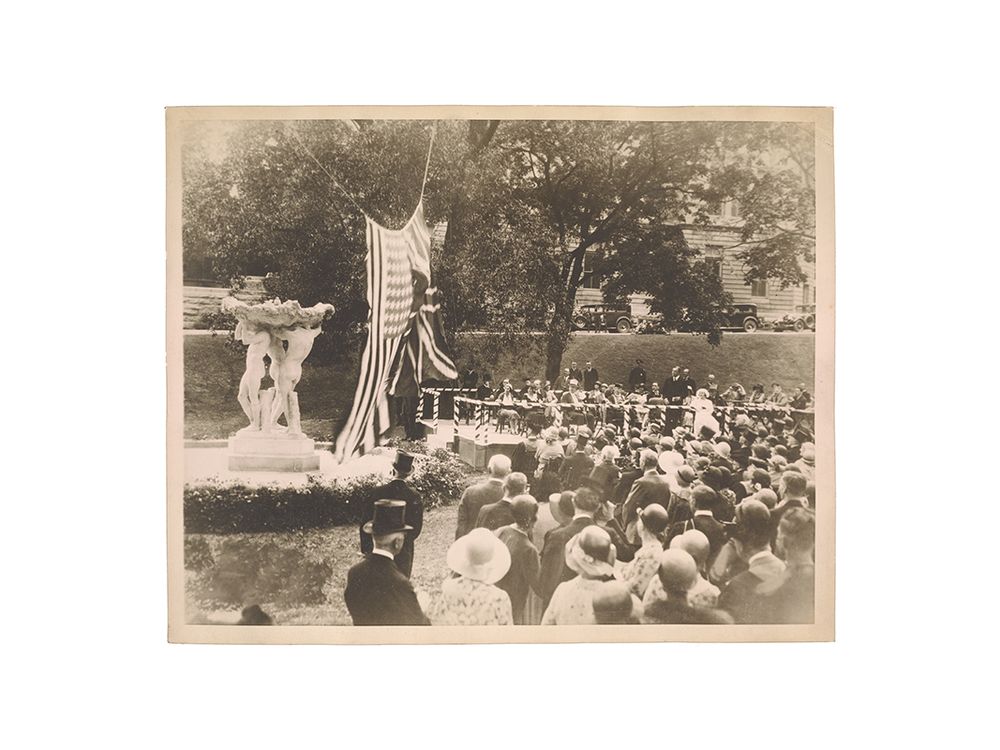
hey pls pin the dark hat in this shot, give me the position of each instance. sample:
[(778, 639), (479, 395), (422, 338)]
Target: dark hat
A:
[(752, 521), (686, 474), (403, 463), (389, 517), (654, 518), (634, 443)]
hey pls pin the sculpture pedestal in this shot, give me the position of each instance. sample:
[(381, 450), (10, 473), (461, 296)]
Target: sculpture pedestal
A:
[(272, 451)]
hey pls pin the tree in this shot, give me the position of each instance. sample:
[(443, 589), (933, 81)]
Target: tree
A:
[(524, 202)]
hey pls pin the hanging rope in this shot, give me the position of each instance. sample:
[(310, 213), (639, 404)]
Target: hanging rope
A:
[(332, 178), (427, 166)]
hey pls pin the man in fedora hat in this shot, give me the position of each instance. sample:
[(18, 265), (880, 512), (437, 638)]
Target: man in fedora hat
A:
[(398, 489), (377, 592)]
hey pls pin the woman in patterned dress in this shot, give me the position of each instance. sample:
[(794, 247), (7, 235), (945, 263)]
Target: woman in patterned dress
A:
[(480, 559)]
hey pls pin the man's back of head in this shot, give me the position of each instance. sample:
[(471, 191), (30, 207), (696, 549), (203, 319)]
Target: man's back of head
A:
[(499, 466), (586, 500), (524, 509), (678, 572), (648, 460), (793, 485), (695, 543), (515, 484)]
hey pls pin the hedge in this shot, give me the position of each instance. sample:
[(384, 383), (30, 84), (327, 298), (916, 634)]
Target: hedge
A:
[(227, 507)]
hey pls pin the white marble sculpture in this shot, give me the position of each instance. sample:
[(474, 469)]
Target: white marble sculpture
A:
[(285, 332)]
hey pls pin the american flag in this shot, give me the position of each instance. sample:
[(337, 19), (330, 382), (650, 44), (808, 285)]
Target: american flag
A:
[(405, 329)]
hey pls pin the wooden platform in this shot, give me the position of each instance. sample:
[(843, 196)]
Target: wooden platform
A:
[(464, 444)]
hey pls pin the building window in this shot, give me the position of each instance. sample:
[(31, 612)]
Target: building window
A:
[(591, 279), (734, 209), (758, 288), (713, 256)]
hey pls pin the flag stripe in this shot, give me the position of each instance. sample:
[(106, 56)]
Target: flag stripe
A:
[(405, 330)]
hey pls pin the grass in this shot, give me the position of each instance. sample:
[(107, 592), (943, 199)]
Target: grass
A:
[(212, 372), (298, 578)]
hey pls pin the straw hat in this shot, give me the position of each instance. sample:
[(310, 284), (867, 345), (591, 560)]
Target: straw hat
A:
[(479, 555)]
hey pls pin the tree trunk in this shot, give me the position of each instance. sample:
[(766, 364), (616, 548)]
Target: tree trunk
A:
[(561, 324)]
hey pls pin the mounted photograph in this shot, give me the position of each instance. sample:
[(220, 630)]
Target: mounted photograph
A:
[(500, 374)]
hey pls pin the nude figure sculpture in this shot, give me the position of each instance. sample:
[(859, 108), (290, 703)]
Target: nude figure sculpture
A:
[(258, 343)]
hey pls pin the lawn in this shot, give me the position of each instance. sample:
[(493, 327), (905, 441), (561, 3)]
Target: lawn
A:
[(212, 372), (298, 578)]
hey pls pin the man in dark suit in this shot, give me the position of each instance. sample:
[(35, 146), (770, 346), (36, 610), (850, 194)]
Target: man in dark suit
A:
[(575, 372), (690, 386), (636, 376), (553, 567), (674, 391), (397, 489), (703, 499), (745, 596), (377, 592), (589, 376), (576, 467), (650, 488), (498, 514), (482, 493)]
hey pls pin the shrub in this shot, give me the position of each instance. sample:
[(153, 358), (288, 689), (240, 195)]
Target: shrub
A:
[(218, 507)]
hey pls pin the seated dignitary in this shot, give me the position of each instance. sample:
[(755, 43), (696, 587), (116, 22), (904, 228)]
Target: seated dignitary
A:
[(480, 559), (377, 592)]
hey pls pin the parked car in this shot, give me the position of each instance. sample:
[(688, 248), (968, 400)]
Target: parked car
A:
[(735, 318), (804, 317), (603, 318)]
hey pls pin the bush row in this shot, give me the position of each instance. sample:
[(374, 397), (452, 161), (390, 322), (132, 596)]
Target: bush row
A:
[(218, 507)]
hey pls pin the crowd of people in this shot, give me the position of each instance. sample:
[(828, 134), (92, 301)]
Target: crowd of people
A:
[(578, 396), (687, 523)]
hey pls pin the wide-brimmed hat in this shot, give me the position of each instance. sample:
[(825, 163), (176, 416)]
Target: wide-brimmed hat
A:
[(723, 449), (561, 506), (479, 555), (388, 517), (403, 462), (589, 552)]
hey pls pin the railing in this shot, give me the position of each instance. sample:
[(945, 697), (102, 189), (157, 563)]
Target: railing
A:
[(479, 412)]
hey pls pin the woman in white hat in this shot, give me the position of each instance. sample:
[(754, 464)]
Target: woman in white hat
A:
[(591, 555), (480, 559)]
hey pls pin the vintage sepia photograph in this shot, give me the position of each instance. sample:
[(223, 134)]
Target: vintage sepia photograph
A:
[(500, 374)]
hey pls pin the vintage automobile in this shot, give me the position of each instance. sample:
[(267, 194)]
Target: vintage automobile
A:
[(603, 318), (804, 317), (735, 318)]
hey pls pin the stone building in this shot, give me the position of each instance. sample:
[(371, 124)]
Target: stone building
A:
[(717, 242)]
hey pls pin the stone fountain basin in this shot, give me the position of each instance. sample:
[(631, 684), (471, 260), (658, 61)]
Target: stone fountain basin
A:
[(275, 314)]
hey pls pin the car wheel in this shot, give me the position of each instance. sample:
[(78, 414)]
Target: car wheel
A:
[(799, 326), (811, 322), (624, 325), (750, 325), (580, 322)]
